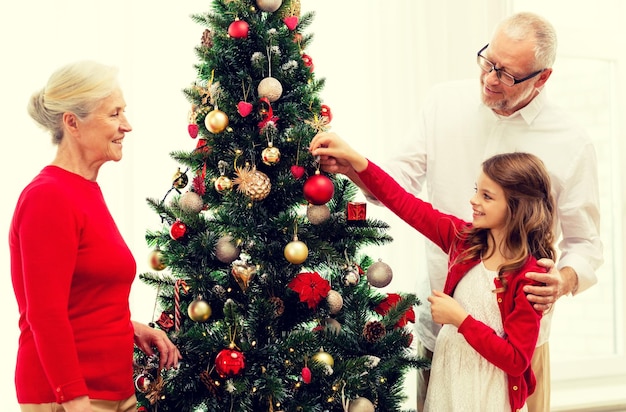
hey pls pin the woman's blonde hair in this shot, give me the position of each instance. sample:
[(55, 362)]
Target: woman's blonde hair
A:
[(77, 88)]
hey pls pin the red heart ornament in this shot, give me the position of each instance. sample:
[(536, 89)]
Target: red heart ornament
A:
[(193, 130), (297, 171), (244, 108), (291, 22)]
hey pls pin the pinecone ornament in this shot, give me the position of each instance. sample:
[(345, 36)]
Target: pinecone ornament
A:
[(207, 39), (279, 306), (373, 331)]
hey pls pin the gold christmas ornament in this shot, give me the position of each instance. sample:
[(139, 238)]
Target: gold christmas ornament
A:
[(225, 250), (317, 214), (296, 251), (180, 179), (223, 183), (361, 405), (270, 155), (191, 202), (156, 260), (243, 273), (271, 88), (216, 121), (199, 310), (323, 357), (253, 183)]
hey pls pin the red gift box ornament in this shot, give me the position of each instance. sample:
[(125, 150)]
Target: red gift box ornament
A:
[(356, 211)]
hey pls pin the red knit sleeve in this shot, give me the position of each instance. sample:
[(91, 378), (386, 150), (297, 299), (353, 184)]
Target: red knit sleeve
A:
[(48, 228), (442, 229)]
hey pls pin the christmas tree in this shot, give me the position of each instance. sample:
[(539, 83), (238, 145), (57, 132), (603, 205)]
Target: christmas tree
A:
[(258, 261)]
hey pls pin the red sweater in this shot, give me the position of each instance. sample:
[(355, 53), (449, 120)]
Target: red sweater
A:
[(512, 353), (71, 273)]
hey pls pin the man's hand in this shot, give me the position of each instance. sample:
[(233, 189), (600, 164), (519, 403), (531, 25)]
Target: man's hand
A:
[(147, 338), (556, 284)]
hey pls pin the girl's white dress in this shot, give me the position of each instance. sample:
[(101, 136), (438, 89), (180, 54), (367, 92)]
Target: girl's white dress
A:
[(461, 380)]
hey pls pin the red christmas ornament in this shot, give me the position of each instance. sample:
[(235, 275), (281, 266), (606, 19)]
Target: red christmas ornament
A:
[(238, 29), (202, 146), (244, 108), (178, 230), (308, 62), (297, 171), (229, 363), (268, 116), (325, 112), (318, 189), (193, 130), (291, 22), (143, 382)]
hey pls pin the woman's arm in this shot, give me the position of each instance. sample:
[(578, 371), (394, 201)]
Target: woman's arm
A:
[(148, 339)]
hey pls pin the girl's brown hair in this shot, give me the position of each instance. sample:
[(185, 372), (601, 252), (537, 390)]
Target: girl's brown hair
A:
[(530, 211)]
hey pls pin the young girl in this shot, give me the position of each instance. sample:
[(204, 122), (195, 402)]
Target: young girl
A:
[(482, 355)]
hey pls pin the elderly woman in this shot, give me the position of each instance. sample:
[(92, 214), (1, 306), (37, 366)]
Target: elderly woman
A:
[(71, 269)]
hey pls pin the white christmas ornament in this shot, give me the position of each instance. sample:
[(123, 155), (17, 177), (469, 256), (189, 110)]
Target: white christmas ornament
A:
[(269, 5), (191, 202), (332, 325), (379, 274), (225, 249), (271, 88), (361, 405), (351, 278), (317, 214)]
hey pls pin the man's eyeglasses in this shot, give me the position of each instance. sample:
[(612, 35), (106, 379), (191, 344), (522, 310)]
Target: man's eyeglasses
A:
[(506, 78)]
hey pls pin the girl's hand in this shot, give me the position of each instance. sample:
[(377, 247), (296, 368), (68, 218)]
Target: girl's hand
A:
[(444, 309), (336, 153)]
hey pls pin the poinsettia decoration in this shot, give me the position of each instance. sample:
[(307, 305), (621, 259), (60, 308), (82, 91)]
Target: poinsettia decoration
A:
[(389, 302), (311, 288)]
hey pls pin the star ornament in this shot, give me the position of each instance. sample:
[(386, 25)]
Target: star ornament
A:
[(318, 123), (311, 288)]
